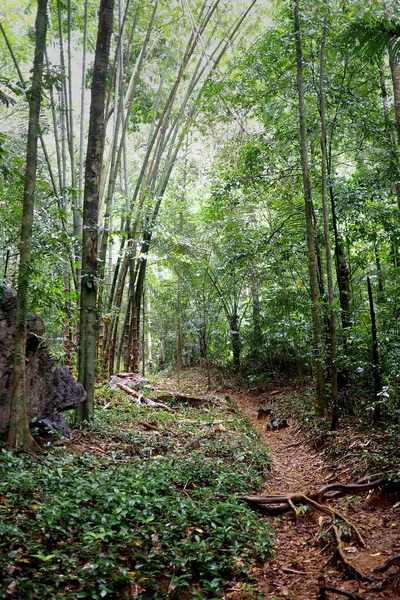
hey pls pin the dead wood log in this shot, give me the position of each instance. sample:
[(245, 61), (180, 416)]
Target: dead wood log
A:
[(125, 388), (140, 399), (127, 375), (154, 404), (193, 401)]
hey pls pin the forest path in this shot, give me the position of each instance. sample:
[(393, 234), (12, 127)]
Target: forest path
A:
[(302, 551)]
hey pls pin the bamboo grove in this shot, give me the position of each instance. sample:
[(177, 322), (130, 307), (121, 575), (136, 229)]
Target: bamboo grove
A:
[(232, 196)]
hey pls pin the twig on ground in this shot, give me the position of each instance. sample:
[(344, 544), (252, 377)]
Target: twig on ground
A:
[(294, 571)]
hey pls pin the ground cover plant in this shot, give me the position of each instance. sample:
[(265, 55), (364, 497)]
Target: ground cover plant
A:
[(370, 448), (141, 504)]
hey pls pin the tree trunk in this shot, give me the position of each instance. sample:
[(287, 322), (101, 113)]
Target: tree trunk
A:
[(149, 343), (256, 315), (235, 340), (88, 315), (19, 434), (79, 197), (324, 185), (179, 360), (292, 328), (375, 356), (204, 337), (320, 392), (140, 275), (395, 71), (343, 275), (144, 333), (179, 339), (388, 133)]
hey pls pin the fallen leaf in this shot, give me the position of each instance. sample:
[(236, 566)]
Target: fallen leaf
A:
[(11, 587), (23, 560), (285, 591)]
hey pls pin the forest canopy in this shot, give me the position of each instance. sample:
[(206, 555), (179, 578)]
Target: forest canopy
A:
[(216, 182)]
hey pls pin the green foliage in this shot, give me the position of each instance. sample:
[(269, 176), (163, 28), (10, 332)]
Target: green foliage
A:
[(155, 512), (373, 39)]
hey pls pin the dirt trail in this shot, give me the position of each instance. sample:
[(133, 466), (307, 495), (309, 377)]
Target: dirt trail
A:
[(302, 553), (302, 550)]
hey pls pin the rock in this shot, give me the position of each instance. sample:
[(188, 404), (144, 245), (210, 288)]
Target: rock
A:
[(133, 380), (263, 412), (277, 424), (56, 423), (49, 389)]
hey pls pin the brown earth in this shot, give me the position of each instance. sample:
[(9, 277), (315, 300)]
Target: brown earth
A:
[(304, 548)]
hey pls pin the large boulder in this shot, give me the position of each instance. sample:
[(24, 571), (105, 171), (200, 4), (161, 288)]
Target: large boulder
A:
[(49, 388)]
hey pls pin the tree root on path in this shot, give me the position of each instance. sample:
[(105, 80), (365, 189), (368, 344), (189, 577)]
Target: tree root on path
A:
[(327, 588), (328, 492), (286, 502), (348, 565), (386, 565)]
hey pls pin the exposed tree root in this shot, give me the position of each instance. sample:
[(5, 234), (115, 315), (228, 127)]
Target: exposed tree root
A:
[(327, 588), (386, 565), (349, 566), (290, 499), (286, 502), (32, 456), (328, 492)]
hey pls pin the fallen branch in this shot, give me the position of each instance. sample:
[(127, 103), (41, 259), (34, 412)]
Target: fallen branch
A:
[(125, 388), (128, 375), (148, 426), (154, 404), (140, 399)]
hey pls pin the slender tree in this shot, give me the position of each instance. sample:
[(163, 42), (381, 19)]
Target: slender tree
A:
[(312, 265), (19, 433), (88, 324), (329, 270)]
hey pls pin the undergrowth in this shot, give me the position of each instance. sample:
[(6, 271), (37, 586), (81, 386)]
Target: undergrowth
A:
[(126, 511), (372, 448)]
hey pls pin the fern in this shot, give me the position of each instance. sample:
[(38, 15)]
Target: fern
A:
[(371, 41)]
